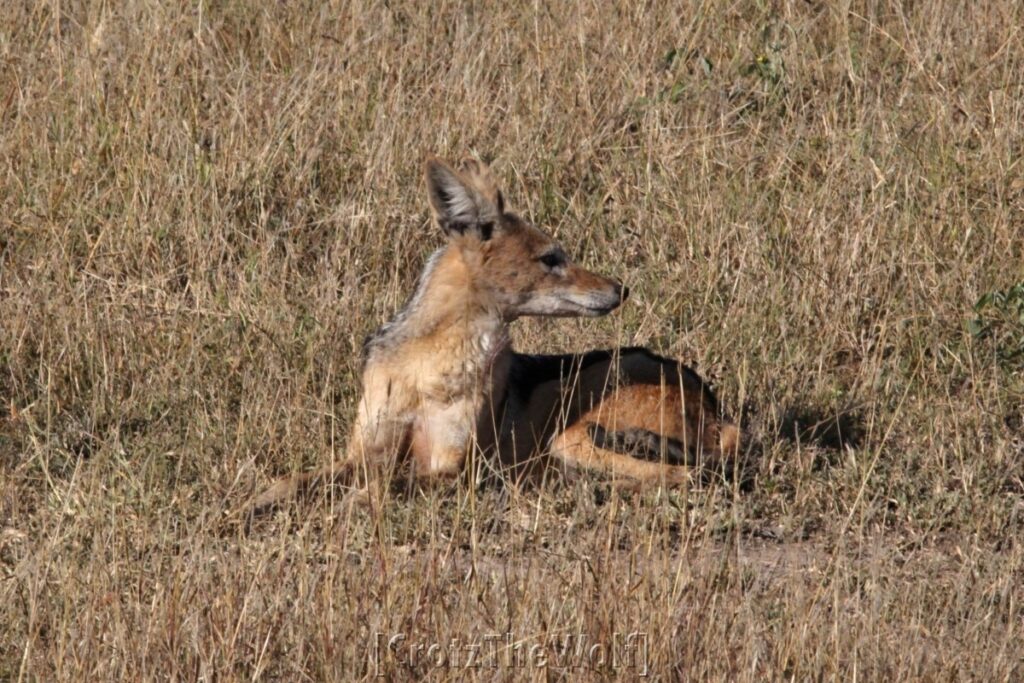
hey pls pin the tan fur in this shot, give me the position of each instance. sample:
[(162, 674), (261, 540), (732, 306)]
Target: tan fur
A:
[(441, 377)]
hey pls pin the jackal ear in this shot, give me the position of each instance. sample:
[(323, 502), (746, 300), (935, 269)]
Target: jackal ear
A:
[(460, 204), (479, 175)]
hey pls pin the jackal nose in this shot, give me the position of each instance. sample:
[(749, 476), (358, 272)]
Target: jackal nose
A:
[(623, 292)]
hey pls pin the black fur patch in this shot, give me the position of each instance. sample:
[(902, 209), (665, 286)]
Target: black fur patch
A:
[(528, 371), (486, 230), (642, 444)]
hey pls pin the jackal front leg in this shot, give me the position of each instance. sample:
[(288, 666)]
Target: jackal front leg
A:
[(376, 439), (441, 436)]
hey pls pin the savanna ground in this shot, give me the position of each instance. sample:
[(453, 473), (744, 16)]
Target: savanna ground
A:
[(204, 209)]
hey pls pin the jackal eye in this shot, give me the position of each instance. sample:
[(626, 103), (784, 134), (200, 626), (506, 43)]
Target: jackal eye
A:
[(552, 259)]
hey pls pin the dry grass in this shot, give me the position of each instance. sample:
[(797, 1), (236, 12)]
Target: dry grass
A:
[(204, 210)]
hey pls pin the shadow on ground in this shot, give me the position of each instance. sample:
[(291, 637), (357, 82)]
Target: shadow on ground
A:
[(830, 430)]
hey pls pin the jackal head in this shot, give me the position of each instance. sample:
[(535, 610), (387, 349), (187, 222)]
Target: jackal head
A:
[(513, 265)]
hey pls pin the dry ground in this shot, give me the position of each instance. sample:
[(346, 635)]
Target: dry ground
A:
[(204, 209)]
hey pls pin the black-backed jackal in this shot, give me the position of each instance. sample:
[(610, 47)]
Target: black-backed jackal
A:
[(441, 378)]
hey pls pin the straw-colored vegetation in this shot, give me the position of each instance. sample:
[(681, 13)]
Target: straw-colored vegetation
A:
[(204, 210)]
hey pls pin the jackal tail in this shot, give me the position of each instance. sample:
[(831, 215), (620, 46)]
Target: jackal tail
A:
[(295, 486)]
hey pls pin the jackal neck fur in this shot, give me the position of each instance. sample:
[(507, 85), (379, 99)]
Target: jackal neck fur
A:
[(449, 334)]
